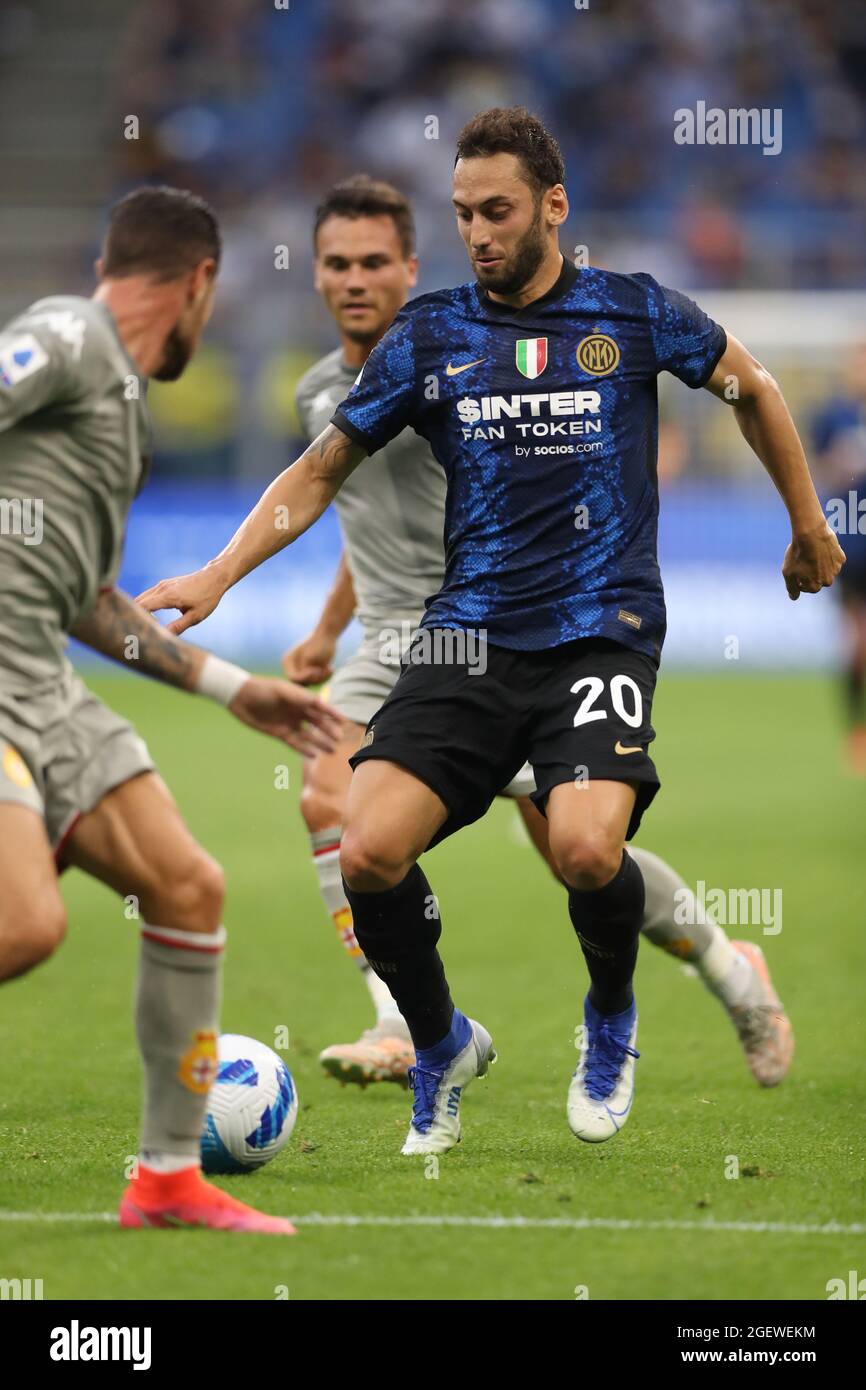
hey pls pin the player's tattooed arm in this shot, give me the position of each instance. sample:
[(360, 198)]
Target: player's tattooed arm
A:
[(289, 507), (814, 557), (121, 629)]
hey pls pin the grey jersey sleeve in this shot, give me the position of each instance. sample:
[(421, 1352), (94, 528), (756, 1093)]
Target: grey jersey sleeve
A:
[(301, 412), (35, 371)]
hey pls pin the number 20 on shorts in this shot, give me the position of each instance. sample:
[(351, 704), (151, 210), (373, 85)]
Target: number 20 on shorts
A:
[(623, 691)]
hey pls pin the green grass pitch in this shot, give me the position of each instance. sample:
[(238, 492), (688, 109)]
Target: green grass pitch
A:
[(754, 795)]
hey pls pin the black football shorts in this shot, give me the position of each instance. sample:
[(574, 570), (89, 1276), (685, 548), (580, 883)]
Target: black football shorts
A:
[(577, 712)]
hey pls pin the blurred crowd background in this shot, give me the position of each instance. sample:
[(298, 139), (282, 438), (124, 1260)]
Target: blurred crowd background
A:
[(261, 104), (258, 106)]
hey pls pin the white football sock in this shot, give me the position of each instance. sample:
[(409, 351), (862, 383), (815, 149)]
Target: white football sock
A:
[(725, 971), (680, 925), (159, 1162), (385, 1006), (177, 1024), (326, 860)]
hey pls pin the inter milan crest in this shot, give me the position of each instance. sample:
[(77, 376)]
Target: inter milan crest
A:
[(598, 354), (531, 355)]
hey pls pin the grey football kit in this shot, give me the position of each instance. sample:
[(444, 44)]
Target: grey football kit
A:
[(74, 444)]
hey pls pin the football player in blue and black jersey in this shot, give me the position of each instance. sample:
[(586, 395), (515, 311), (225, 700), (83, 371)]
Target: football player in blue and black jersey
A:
[(392, 518), (535, 386)]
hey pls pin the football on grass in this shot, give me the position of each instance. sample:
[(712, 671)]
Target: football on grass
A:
[(252, 1107)]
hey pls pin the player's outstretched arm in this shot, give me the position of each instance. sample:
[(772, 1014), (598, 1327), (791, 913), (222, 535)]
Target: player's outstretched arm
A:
[(814, 557), (119, 628), (291, 504), (311, 660)]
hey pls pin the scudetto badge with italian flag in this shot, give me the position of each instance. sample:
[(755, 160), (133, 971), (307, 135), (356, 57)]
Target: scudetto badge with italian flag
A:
[(531, 355)]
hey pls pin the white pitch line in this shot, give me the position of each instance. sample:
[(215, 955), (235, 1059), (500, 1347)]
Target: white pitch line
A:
[(500, 1223), (52, 1217), (583, 1223)]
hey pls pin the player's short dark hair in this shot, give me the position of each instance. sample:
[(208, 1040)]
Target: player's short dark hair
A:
[(163, 232), (514, 130), (361, 196)]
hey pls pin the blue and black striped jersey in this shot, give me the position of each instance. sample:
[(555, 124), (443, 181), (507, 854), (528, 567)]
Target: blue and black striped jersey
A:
[(544, 419)]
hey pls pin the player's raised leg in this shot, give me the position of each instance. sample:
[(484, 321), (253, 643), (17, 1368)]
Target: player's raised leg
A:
[(391, 817), (734, 971), (135, 840), (588, 825), (383, 1052)]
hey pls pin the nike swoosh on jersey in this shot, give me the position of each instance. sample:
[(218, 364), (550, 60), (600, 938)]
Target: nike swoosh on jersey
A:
[(619, 748), (463, 367)]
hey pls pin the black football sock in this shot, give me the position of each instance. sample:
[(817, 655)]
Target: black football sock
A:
[(608, 922), (398, 930)]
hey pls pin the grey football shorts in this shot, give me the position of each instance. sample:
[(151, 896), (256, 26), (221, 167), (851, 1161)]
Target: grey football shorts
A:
[(360, 687), (62, 750)]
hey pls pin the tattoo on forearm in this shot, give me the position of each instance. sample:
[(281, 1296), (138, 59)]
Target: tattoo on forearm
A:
[(118, 628), (333, 454)]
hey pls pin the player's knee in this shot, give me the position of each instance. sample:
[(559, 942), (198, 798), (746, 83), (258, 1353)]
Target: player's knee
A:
[(31, 934), (369, 864), (50, 928), (590, 862), (207, 890), (320, 808), (191, 898)]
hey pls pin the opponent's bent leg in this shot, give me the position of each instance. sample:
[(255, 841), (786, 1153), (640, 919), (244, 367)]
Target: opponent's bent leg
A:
[(32, 915), (391, 816), (536, 828), (136, 841), (675, 921), (326, 785), (734, 971)]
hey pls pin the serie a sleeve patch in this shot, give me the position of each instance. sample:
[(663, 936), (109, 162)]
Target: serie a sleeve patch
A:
[(20, 357)]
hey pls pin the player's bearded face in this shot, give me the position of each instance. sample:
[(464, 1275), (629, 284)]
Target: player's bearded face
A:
[(183, 339), (176, 353), (519, 263)]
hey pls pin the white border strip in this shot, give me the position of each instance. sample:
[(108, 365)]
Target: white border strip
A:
[(497, 1223)]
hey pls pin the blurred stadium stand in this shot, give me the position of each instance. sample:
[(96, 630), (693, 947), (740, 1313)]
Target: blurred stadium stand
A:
[(262, 108), (55, 169)]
